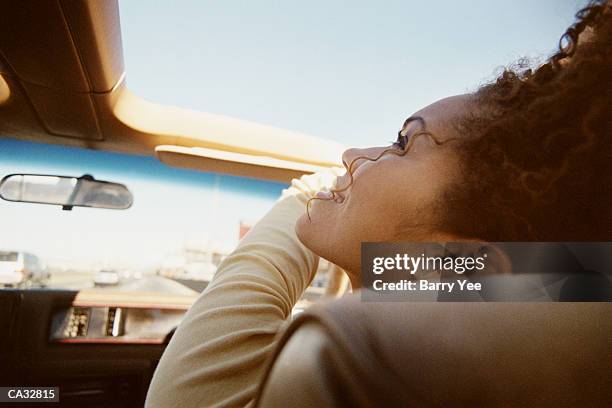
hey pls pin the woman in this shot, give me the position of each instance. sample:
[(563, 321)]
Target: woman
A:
[(525, 158)]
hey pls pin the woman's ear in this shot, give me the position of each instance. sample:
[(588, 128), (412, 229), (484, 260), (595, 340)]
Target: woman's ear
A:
[(495, 260)]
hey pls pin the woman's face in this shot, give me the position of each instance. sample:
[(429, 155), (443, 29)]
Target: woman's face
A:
[(395, 198)]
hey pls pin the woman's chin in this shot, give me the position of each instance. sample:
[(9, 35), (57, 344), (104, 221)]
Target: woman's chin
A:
[(311, 231), (302, 227)]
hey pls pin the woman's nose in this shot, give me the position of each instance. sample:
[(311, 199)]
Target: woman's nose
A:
[(355, 157), (349, 155)]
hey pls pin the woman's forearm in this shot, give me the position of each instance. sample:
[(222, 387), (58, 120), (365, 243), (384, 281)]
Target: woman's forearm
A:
[(217, 354)]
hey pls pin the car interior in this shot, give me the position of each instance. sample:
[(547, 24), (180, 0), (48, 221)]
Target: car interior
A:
[(63, 83)]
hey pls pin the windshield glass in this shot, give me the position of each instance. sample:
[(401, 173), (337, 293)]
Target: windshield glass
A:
[(180, 226)]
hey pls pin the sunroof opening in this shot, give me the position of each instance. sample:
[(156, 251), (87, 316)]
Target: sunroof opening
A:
[(351, 74)]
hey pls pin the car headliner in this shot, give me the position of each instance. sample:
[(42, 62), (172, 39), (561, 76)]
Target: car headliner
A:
[(62, 81)]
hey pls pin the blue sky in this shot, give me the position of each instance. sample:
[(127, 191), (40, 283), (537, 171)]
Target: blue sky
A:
[(346, 70)]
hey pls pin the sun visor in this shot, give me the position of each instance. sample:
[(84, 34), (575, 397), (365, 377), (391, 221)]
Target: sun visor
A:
[(235, 164)]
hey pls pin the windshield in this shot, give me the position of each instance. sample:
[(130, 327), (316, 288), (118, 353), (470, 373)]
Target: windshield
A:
[(181, 225)]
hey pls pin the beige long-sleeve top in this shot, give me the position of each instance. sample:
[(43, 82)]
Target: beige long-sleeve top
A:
[(218, 353)]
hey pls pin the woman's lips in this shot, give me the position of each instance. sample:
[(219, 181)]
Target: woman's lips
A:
[(324, 195), (329, 196)]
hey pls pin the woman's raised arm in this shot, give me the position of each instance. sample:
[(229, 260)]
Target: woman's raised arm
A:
[(217, 355)]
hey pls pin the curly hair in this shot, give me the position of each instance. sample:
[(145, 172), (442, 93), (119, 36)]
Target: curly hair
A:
[(537, 159)]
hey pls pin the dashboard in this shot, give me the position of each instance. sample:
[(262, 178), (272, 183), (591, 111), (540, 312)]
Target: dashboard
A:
[(99, 317), (99, 347)]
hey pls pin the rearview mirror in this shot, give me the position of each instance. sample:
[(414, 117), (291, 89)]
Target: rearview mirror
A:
[(68, 192)]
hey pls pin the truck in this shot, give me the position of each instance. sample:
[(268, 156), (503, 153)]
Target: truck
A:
[(21, 269)]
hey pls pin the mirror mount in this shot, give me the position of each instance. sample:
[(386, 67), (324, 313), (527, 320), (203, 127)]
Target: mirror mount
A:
[(69, 207)]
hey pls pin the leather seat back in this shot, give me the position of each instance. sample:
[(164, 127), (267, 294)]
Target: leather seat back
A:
[(363, 354)]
